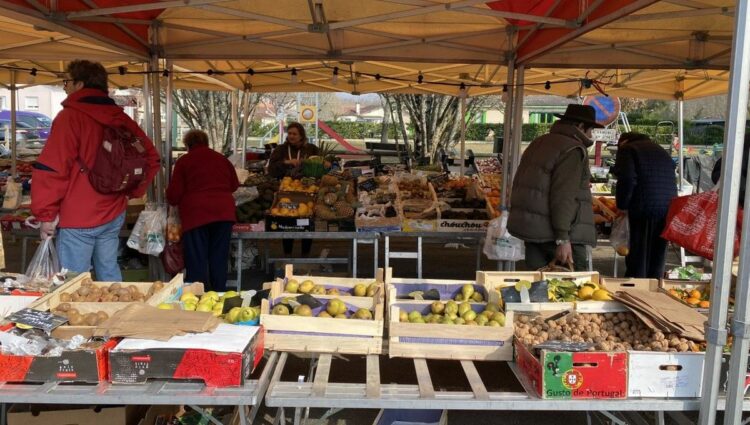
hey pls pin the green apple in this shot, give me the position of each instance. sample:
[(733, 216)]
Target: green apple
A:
[(189, 296), (212, 295), (165, 306), (247, 314), (229, 294), (233, 315), (205, 307)]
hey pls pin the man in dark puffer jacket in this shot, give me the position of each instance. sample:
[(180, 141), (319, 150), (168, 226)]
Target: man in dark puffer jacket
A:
[(645, 187)]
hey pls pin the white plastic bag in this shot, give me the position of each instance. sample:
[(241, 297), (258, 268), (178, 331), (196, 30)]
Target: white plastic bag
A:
[(45, 263), (620, 236), (148, 234), (499, 244)]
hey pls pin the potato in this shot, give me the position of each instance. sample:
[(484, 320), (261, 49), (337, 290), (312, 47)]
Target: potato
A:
[(65, 297), (91, 319), (84, 291), (122, 291), (102, 316), (125, 298), (115, 287), (87, 282), (63, 307), (75, 320), (76, 297), (133, 289)]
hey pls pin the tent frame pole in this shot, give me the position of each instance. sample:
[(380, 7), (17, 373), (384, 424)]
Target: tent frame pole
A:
[(245, 125), (716, 334), (13, 120), (157, 138), (507, 132), (740, 73), (680, 141), (462, 99), (517, 121), (170, 133)]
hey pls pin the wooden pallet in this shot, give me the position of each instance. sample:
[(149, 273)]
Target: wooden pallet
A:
[(320, 334)]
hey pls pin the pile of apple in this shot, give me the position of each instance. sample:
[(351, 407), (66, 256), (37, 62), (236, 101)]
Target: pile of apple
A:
[(335, 308), (212, 302), (309, 287)]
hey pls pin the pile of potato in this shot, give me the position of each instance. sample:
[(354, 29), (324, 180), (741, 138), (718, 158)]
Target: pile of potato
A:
[(116, 292), (75, 318), (608, 332)]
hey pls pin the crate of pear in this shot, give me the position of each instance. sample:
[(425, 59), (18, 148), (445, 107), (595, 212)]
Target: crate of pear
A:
[(307, 286), (212, 302), (334, 308), (437, 289), (452, 313)]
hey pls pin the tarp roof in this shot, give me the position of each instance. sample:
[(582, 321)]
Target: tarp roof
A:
[(648, 53)]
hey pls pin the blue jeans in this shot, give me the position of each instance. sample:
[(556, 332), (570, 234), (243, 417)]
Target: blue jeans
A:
[(78, 247)]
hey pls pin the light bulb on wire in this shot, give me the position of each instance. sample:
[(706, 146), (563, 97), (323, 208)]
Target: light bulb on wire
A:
[(335, 75), (294, 78), (462, 91)]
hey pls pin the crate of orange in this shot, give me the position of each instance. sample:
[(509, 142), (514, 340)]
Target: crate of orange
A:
[(291, 212), (694, 294)]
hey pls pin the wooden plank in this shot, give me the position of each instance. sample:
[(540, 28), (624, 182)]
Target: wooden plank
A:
[(373, 377), (320, 344), (451, 352), (423, 379), (321, 375), (477, 386)]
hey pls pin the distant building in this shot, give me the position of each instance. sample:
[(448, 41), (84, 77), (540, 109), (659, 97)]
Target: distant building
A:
[(536, 109), (42, 99), (359, 113)]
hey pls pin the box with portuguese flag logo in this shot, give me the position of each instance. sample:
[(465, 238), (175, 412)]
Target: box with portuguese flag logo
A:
[(574, 375)]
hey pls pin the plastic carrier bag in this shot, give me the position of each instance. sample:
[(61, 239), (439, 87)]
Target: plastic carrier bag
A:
[(499, 244), (148, 235), (45, 263), (620, 236)]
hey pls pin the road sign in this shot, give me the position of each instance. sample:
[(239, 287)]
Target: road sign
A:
[(307, 113), (607, 108)]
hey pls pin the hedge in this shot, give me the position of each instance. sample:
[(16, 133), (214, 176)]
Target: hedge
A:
[(694, 135)]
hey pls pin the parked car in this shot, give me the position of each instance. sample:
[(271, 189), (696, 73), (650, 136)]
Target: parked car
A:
[(24, 132), (33, 120)]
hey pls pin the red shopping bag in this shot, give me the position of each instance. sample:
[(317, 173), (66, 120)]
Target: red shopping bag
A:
[(692, 222)]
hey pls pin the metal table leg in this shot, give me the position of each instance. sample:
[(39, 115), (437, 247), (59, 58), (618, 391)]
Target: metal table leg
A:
[(239, 264), (375, 257), (24, 247), (419, 257), (387, 251), (479, 254), (354, 257)]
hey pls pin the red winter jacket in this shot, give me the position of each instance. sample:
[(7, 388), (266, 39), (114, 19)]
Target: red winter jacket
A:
[(58, 186), (202, 185)]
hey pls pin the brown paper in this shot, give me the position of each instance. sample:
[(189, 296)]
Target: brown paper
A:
[(664, 313), (146, 322)]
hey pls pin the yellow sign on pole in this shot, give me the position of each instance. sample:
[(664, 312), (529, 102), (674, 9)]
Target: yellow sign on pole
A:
[(308, 114)]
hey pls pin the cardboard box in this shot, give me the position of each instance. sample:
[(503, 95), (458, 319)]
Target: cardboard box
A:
[(249, 227), (55, 414), (571, 376), (223, 358), (343, 225), (288, 224), (665, 375), (83, 365)]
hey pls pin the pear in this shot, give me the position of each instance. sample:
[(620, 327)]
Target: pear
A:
[(458, 298), (189, 297), (280, 309), (492, 307), (437, 307), (340, 316), (471, 323), (204, 307), (403, 316), (463, 308), (419, 320), (493, 324), (447, 321), (303, 310), (451, 307), (363, 314), (332, 291), (467, 291), (452, 316), (318, 290), (212, 295), (469, 315), (372, 289), (233, 315), (482, 320), (292, 286), (336, 307), (360, 290), (306, 287), (459, 321), (499, 318), (434, 319), (189, 306), (324, 314), (229, 294), (477, 296), (414, 315)]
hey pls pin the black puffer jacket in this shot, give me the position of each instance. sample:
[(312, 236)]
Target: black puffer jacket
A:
[(646, 182)]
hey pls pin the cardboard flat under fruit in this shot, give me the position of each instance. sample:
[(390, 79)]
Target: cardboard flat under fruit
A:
[(225, 338), (665, 313), (145, 322)]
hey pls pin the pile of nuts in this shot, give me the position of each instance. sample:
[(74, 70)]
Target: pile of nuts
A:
[(608, 332), (75, 318)]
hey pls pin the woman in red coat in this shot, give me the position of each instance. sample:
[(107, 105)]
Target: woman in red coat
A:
[(202, 185)]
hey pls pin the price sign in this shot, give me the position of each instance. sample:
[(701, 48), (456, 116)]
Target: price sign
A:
[(37, 319)]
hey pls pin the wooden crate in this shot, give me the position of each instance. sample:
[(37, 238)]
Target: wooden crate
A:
[(321, 334), (666, 284), (496, 280), (448, 288), (52, 300), (577, 277), (437, 341)]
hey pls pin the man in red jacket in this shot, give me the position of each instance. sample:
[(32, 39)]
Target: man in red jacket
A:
[(202, 185), (89, 222)]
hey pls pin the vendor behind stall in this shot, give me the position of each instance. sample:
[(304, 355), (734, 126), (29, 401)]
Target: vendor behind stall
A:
[(286, 160), (202, 185)]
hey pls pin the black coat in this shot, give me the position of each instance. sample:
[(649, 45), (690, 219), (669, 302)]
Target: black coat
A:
[(716, 172), (646, 182)]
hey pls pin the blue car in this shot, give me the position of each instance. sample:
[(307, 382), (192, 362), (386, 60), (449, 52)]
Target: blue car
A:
[(35, 121)]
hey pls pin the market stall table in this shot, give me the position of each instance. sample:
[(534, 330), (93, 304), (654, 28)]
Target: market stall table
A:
[(371, 393), (473, 238), (155, 393), (356, 238)]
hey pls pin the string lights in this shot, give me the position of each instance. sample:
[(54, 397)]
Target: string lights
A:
[(583, 83)]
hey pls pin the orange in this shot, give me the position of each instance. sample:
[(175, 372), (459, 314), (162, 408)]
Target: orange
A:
[(693, 301), (695, 294), (673, 292), (704, 304)]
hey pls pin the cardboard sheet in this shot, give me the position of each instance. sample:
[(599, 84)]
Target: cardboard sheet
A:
[(662, 312), (225, 338), (146, 322)]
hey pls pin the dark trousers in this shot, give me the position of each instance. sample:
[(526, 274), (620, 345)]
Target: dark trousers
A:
[(647, 249), (288, 245), (540, 254), (206, 250)]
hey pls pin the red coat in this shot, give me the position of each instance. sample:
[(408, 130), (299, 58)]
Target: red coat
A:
[(202, 185), (58, 187)]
